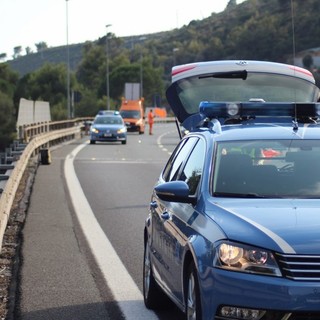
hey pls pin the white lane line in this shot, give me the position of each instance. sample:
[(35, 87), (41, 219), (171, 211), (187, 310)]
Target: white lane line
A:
[(160, 145), (124, 289), (119, 162)]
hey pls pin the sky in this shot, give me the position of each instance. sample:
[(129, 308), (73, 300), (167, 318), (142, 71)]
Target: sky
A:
[(60, 22)]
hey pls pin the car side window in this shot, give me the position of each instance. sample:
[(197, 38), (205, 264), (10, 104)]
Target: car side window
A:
[(176, 161), (192, 171)]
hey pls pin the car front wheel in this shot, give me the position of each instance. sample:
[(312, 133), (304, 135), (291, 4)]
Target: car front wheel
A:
[(154, 297), (193, 304)]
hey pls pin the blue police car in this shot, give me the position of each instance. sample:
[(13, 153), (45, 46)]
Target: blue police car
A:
[(108, 126), (233, 230)]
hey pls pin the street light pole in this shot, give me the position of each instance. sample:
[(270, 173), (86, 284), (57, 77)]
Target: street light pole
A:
[(68, 62), (107, 68), (141, 76), (141, 68)]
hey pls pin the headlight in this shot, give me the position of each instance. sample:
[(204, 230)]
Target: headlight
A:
[(243, 258), (94, 130), (122, 130)]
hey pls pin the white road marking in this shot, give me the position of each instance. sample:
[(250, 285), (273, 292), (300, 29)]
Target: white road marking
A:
[(160, 145), (124, 289)]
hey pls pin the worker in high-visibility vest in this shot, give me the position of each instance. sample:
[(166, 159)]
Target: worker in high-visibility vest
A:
[(150, 120)]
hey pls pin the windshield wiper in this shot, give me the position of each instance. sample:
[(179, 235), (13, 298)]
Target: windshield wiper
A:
[(227, 75), (238, 195)]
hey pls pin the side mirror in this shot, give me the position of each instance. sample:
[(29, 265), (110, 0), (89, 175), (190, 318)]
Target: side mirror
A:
[(174, 191)]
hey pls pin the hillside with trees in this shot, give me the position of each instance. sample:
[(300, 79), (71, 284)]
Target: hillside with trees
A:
[(270, 30)]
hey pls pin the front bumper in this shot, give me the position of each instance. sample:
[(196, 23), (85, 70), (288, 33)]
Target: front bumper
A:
[(281, 298), (108, 138), (133, 127)]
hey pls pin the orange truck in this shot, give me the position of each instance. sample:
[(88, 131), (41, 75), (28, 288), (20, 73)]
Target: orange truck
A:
[(133, 115)]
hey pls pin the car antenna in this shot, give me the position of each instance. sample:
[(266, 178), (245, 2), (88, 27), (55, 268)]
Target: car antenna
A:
[(294, 122)]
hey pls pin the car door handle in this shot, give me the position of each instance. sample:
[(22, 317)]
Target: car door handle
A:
[(153, 205), (165, 215)]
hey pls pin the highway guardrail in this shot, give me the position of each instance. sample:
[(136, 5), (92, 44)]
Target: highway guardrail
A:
[(33, 139), (36, 137)]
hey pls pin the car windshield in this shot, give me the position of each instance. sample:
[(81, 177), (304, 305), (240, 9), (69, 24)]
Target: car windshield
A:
[(267, 168), (263, 86), (108, 120), (133, 114)]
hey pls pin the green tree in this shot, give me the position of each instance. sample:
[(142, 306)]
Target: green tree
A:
[(152, 79), (89, 105), (28, 50), (41, 46), (7, 120), (92, 69), (8, 79), (48, 84), (3, 56), (8, 83), (17, 52), (91, 76), (124, 66), (232, 4)]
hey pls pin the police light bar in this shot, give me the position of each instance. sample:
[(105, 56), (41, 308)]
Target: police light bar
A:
[(242, 110)]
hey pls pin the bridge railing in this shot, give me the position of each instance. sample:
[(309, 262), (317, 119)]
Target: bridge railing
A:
[(32, 139)]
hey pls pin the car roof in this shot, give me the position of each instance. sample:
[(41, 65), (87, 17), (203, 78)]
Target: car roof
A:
[(99, 118), (108, 112), (238, 81), (265, 131)]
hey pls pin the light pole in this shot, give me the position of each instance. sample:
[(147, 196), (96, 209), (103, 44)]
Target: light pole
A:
[(141, 68), (107, 67), (68, 63)]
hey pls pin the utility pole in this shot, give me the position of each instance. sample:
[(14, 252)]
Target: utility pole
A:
[(141, 67), (107, 68), (68, 64)]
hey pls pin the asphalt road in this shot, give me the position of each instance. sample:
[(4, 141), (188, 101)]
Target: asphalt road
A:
[(83, 236)]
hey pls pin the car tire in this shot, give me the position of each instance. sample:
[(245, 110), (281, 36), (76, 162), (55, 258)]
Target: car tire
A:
[(154, 297), (92, 142), (192, 294), (124, 142)]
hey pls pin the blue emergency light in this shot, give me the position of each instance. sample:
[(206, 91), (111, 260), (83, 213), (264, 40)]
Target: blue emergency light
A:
[(300, 112)]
